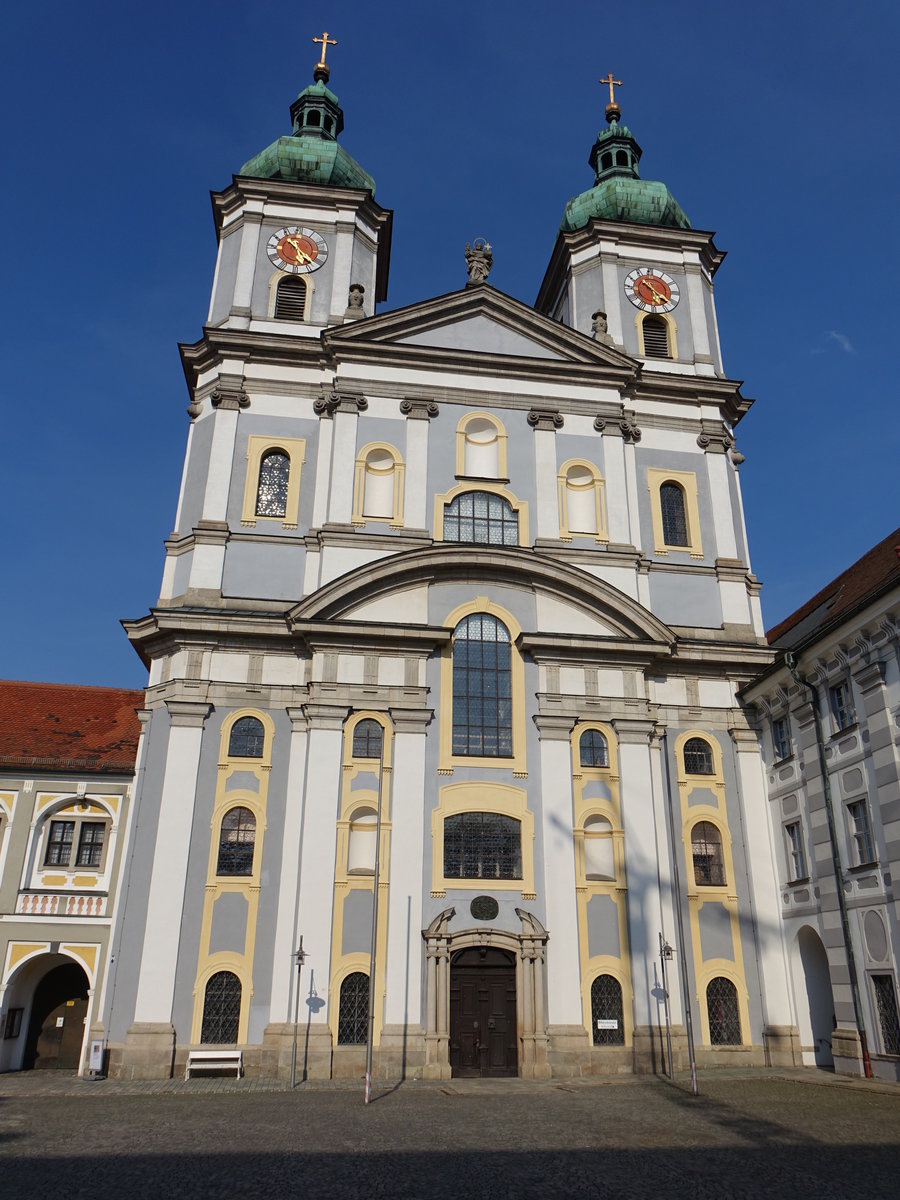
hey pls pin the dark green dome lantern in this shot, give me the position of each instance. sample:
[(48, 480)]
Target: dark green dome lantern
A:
[(310, 153), (619, 193)]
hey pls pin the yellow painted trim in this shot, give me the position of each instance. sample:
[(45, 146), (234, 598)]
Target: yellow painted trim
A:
[(639, 320), (442, 499), (8, 803), (257, 446), (447, 759), (238, 965), (17, 953), (502, 470), (687, 481), (599, 488), (86, 955), (277, 278), (620, 969), (481, 796), (395, 521)]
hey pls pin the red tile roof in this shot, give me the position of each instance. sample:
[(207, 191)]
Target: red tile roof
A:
[(876, 572), (53, 726)]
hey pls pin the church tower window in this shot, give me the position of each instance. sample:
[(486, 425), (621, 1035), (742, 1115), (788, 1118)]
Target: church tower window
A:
[(237, 842), (592, 749), (698, 757), (247, 738), (706, 852), (272, 489), (655, 337), (367, 738), (674, 520), (482, 688), (290, 299)]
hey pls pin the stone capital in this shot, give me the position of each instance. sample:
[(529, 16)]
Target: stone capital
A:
[(714, 438), (616, 421), (188, 713), (229, 399), (298, 719), (410, 720), (636, 731), (554, 727), (325, 716), (419, 410), (345, 402), (549, 419)]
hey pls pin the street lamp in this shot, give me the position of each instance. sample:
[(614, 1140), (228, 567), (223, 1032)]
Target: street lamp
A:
[(299, 957)]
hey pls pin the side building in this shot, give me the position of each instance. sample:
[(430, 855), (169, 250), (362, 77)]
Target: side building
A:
[(829, 716), (67, 759), (460, 594)]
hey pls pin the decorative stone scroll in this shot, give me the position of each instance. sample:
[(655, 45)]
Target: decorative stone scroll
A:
[(714, 438), (229, 399), (546, 418), (622, 424), (349, 402), (419, 410)]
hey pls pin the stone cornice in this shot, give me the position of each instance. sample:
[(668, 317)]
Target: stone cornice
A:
[(360, 636)]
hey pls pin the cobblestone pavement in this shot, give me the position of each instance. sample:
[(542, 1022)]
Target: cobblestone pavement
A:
[(792, 1134)]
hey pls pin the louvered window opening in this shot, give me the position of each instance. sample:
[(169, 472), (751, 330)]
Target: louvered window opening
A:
[(698, 758), (886, 1002), (272, 490), (674, 520), (367, 740), (594, 751), (481, 519), (237, 841), (722, 1009), (353, 1010), (706, 850), (656, 338), (482, 688), (290, 299), (221, 1010), (59, 844), (482, 846), (247, 738), (606, 1006), (90, 844)]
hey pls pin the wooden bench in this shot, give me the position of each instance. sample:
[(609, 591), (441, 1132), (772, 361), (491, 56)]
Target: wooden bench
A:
[(214, 1060)]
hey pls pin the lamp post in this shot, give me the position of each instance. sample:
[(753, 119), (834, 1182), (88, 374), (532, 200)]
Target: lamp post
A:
[(299, 956), (665, 955)]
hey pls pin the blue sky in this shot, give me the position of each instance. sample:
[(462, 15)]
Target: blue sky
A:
[(773, 124)]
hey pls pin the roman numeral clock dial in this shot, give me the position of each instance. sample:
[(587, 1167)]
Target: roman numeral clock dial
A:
[(297, 250), (651, 291)]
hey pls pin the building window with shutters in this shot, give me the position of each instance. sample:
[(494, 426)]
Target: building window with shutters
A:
[(290, 299), (378, 486), (675, 511), (272, 484)]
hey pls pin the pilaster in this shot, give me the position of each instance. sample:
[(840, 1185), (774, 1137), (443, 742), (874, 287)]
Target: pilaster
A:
[(545, 422)]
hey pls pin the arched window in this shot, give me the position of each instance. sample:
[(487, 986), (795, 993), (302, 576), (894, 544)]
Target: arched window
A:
[(75, 841), (353, 1010), (367, 736), (581, 500), (272, 489), (706, 851), (482, 457), (378, 485), (607, 1018), (221, 1009), (361, 851), (482, 845), (606, 161), (237, 841), (290, 299), (655, 332), (313, 117), (722, 1009), (482, 688), (482, 519), (698, 757), (599, 854), (247, 738), (592, 749), (621, 158), (674, 518)]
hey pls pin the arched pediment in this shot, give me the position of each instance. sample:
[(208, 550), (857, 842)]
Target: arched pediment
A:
[(614, 614)]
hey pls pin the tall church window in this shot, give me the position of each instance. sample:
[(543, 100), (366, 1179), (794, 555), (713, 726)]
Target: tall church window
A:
[(482, 688), (353, 1010), (675, 511), (272, 488), (290, 299), (221, 1009), (481, 519), (698, 757), (482, 845), (607, 1017), (674, 517), (723, 1013), (706, 852), (655, 331), (367, 738), (592, 749), (237, 841), (247, 738)]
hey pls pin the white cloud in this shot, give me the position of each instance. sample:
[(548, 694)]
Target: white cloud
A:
[(842, 340)]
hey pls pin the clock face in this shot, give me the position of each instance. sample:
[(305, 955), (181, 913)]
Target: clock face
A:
[(296, 250), (650, 290)]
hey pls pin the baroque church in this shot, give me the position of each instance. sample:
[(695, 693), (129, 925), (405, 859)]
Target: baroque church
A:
[(443, 712)]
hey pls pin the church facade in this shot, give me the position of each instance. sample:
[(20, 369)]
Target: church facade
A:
[(451, 629)]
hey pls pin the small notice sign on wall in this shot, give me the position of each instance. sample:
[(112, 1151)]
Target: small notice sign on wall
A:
[(95, 1059), (605, 1023)]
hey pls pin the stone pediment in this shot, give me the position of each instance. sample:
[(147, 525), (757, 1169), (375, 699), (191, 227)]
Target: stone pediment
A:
[(479, 321)]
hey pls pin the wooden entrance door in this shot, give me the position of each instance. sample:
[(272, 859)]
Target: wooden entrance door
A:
[(483, 1034), (58, 1013)]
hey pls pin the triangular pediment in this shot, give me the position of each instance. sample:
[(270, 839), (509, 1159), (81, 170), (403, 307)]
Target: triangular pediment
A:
[(479, 321)]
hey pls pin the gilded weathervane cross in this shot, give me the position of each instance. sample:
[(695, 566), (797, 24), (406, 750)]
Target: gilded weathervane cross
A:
[(326, 41), (612, 109)]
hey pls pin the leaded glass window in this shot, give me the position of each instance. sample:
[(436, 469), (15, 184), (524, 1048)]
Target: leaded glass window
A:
[(367, 739), (606, 1008), (59, 844), (482, 845), (481, 519), (221, 1009), (90, 844), (698, 757), (886, 1001), (353, 1010), (674, 519), (272, 490), (247, 738), (482, 688), (237, 841), (706, 851), (722, 1009), (593, 750)]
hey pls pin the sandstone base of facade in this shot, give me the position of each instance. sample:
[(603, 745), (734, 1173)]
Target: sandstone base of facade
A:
[(847, 1052), (400, 1053), (782, 1043), (148, 1052)]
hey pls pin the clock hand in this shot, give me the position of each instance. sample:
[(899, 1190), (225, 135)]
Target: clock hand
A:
[(298, 250)]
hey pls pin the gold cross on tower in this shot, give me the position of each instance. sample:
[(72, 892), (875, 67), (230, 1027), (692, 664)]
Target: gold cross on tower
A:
[(326, 41), (612, 109)]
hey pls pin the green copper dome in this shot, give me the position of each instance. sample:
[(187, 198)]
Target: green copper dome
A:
[(619, 193), (310, 153)]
